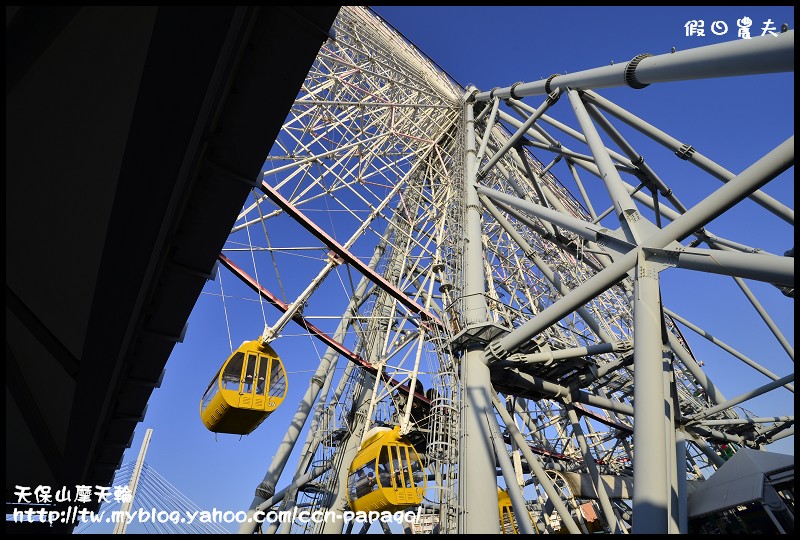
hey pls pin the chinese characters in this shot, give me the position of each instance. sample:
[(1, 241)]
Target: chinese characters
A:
[(697, 28), (83, 494)]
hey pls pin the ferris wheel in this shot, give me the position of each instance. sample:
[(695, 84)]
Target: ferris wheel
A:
[(472, 281)]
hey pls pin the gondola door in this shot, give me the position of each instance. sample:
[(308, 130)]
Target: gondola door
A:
[(254, 382), (261, 383), (400, 470), (247, 388)]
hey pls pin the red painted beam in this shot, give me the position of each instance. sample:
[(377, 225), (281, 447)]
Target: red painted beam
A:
[(602, 419), (348, 257), (248, 280)]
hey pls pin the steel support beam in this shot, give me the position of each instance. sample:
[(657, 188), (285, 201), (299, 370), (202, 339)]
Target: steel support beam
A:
[(611, 518), (487, 131), (543, 136), (634, 156), (741, 398), (584, 229), (725, 347), (267, 486), (704, 447), (755, 176), (765, 317), (512, 141), (766, 54), (553, 390), (714, 394), (521, 513), (768, 268), (577, 178), (686, 152), (249, 525), (572, 352), (759, 420), (625, 209), (345, 254), (538, 471)]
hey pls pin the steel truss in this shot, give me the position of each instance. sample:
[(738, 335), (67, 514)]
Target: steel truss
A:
[(407, 224)]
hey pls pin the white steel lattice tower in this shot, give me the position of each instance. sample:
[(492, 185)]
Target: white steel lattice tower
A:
[(456, 288)]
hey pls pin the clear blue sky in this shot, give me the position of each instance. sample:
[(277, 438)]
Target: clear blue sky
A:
[(733, 121)]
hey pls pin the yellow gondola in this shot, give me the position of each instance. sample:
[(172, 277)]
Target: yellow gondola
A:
[(508, 524), (387, 473), (247, 388), (508, 521)]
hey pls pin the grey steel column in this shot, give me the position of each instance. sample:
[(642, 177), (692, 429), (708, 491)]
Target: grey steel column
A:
[(650, 476), (344, 456), (681, 511), (313, 438), (674, 475), (476, 471)]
